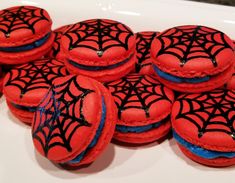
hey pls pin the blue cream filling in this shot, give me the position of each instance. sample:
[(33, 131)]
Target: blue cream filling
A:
[(139, 129), (95, 139), (177, 79), (25, 108), (207, 154), (26, 47), (98, 68)]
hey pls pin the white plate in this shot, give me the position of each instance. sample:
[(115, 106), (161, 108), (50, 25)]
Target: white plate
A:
[(153, 163)]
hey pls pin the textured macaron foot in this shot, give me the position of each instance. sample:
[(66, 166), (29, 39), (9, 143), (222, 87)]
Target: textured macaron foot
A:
[(99, 48), (216, 162), (144, 107), (74, 122), (25, 85), (203, 126), (143, 45), (25, 34), (192, 58)]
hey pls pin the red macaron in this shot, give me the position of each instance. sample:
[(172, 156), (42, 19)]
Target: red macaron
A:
[(56, 51), (203, 126), (193, 58), (144, 107), (230, 85), (25, 85), (25, 34), (99, 48), (74, 122), (143, 46)]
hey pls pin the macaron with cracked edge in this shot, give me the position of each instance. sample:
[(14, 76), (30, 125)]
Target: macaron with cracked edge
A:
[(192, 58), (143, 45), (25, 85), (203, 126), (25, 34), (144, 107), (99, 48), (56, 51), (74, 122)]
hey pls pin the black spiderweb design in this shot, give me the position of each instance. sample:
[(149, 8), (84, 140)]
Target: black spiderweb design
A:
[(136, 91), (23, 17), (35, 75), (143, 45), (190, 42), (99, 35), (59, 116), (209, 112), (57, 42)]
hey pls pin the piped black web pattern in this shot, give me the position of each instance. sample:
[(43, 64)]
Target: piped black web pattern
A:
[(143, 45), (192, 42), (23, 17), (99, 35), (209, 112), (35, 75), (60, 115), (137, 91), (56, 45)]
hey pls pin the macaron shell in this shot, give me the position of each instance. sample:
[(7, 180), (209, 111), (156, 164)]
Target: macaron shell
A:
[(143, 46), (217, 162), (145, 137), (23, 115), (26, 56), (108, 130), (180, 51), (32, 24), (82, 42), (230, 85), (72, 138), (55, 51), (214, 82), (104, 75), (141, 100), (216, 108), (27, 84)]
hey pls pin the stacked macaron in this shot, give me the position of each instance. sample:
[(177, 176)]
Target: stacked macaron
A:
[(99, 48), (25, 85), (144, 107), (197, 60), (55, 51), (143, 45), (203, 126), (74, 122), (25, 34), (56, 86), (193, 58)]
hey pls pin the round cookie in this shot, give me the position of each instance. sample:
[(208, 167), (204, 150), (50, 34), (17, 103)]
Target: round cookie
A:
[(25, 85), (99, 48), (74, 122), (143, 46), (192, 58), (55, 51), (144, 107), (203, 126), (25, 34)]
